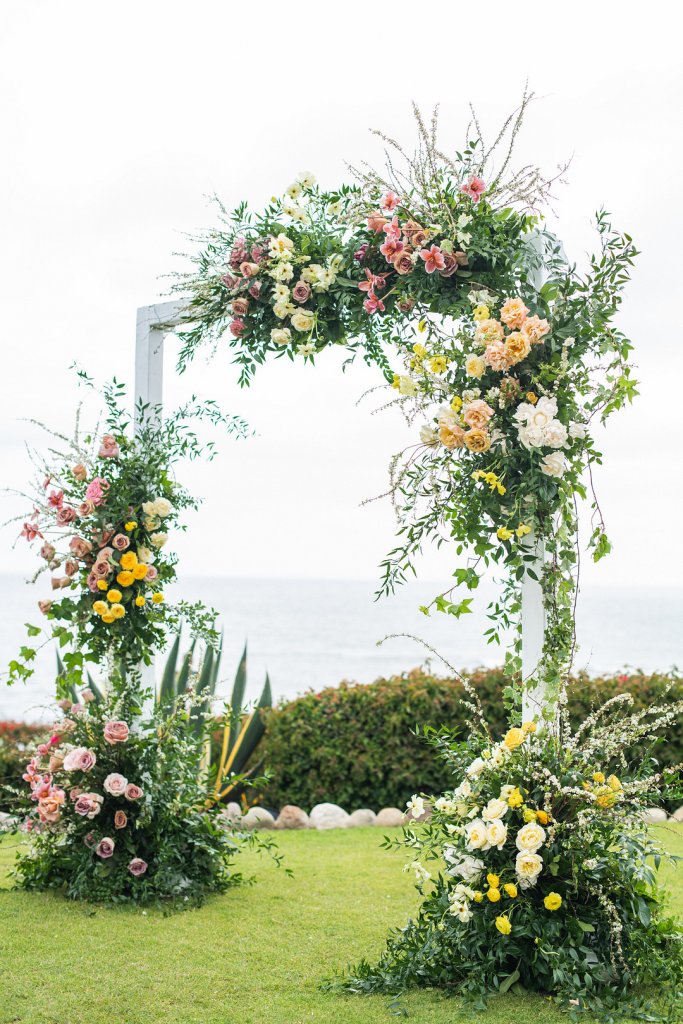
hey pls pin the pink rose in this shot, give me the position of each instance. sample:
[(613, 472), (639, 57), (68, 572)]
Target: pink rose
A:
[(78, 709), (80, 472), (120, 542), (405, 305), (101, 569), (47, 551), (249, 269), (88, 696), (92, 582), (137, 866), (109, 448), (301, 292), (120, 819), (80, 759), (257, 252), (65, 515), (86, 508), (88, 805), (96, 490), (70, 567), (89, 840), (477, 414), (115, 784), (64, 704), (450, 265), (229, 281), (359, 254), (74, 794), (403, 264), (45, 606), (236, 327), (238, 253), (151, 574), (60, 582), (133, 792), (65, 726), (105, 848), (240, 307), (255, 289), (116, 732), (49, 807)]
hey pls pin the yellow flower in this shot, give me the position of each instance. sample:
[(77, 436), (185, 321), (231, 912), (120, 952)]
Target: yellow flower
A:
[(515, 799), (456, 403), (422, 326), (102, 584), (129, 560), (475, 366), (614, 784), (502, 533), (522, 530), (503, 925), (158, 598), (125, 578), (139, 600), (529, 814), (477, 896), (598, 777), (396, 382), (513, 738), (510, 889), (543, 817), (107, 617), (100, 607), (493, 895), (140, 571), (419, 350), (529, 726), (477, 440), (531, 397), (130, 526), (118, 611), (114, 595), (605, 800), (493, 880), (553, 901), (438, 364), (481, 312)]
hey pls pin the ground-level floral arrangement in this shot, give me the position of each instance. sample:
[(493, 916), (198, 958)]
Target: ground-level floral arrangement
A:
[(118, 808), (537, 872)]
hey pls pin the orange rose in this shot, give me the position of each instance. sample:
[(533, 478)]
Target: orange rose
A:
[(477, 440), (517, 346)]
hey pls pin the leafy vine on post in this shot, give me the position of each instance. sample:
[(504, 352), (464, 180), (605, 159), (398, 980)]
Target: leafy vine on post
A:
[(426, 268)]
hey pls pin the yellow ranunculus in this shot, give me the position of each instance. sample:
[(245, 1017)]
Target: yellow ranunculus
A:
[(139, 601), (553, 901), (543, 817), (510, 889), (531, 398), (102, 584), (107, 617), (477, 896), (130, 526), (114, 596), (503, 925), (158, 598), (515, 799), (513, 738), (529, 814), (118, 611), (100, 607), (493, 895), (598, 777), (140, 571), (614, 784), (493, 880), (129, 560), (125, 578)]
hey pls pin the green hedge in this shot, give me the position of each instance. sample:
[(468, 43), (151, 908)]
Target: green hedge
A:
[(354, 745)]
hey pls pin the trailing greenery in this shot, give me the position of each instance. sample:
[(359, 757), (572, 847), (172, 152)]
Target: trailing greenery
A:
[(356, 745)]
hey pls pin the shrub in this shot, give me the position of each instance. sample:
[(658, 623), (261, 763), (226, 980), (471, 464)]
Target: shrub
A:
[(355, 744)]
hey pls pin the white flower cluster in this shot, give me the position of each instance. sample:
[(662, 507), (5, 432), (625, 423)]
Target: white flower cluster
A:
[(154, 512), (538, 427)]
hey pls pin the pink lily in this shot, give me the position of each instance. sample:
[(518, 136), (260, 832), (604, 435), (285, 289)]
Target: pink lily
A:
[(433, 258), (474, 188)]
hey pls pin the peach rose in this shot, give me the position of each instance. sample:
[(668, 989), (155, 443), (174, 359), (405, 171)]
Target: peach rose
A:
[(65, 515), (120, 819), (477, 413), (120, 542), (133, 792), (80, 472), (403, 263), (45, 606), (240, 307), (513, 313), (517, 346), (477, 440), (535, 329), (116, 732), (489, 331), (496, 356), (376, 221), (451, 435), (410, 228), (79, 547), (47, 551)]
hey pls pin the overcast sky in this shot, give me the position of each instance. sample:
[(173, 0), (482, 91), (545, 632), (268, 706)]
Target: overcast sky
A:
[(118, 120)]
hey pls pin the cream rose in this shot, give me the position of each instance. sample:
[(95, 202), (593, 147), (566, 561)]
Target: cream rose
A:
[(528, 867), (497, 833), (494, 809), (475, 835), (555, 434), (554, 464), (281, 335), (475, 366), (303, 320), (530, 838)]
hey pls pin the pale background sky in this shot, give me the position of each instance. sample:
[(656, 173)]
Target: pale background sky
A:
[(117, 121)]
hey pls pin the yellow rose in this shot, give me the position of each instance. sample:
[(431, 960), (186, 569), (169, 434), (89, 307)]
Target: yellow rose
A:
[(493, 895), (114, 596), (489, 331), (130, 526), (475, 366), (598, 777), (531, 397), (513, 738), (140, 571), (158, 598), (125, 578), (511, 889), (553, 901), (477, 440), (102, 584), (129, 560), (543, 817), (493, 880), (477, 896), (100, 607), (107, 617), (529, 726), (139, 601), (503, 925), (515, 799), (118, 611), (517, 346)]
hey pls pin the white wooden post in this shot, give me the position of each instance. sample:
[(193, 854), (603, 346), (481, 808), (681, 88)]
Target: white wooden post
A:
[(153, 323)]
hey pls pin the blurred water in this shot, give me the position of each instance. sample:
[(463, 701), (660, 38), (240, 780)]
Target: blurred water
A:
[(314, 633)]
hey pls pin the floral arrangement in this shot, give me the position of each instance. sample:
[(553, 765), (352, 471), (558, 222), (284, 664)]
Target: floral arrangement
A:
[(118, 808), (543, 862), (103, 506)]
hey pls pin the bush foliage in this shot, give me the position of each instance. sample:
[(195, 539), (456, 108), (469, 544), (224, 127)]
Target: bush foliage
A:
[(355, 745)]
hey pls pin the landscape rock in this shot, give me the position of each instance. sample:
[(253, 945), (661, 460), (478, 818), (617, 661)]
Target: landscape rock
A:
[(362, 816), (677, 815), (653, 815), (231, 813), (292, 816), (256, 818), (389, 817), (329, 816)]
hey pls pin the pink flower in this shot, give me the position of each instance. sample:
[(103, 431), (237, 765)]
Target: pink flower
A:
[(389, 202), (92, 582), (31, 772), (477, 413), (56, 762), (43, 749), (403, 263), (55, 499), (133, 792), (376, 222), (238, 253), (237, 327), (115, 784), (49, 807), (450, 265), (101, 569), (255, 289), (116, 732), (405, 305), (64, 704), (120, 819), (391, 249), (45, 606), (60, 582), (109, 448), (372, 304), (240, 307), (474, 188), (70, 567), (86, 508), (151, 574), (80, 472), (88, 805), (77, 710), (74, 794), (96, 489), (80, 759), (89, 840), (47, 551), (249, 269), (137, 866), (229, 281), (359, 254), (257, 253), (392, 230), (373, 282), (105, 848), (88, 696), (496, 356), (301, 292), (120, 542), (433, 259), (31, 531)]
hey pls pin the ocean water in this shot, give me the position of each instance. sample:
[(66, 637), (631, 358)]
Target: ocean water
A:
[(314, 633)]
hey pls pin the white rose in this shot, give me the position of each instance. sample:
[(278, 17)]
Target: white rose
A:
[(281, 335), (524, 412), (528, 867), (530, 838), (145, 555), (543, 412), (464, 789), (554, 464), (555, 434), (531, 437), (475, 366), (303, 320), (476, 767), (162, 507), (577, 431), (497, 833), (494, 809), (475, 835), (428, 436), (159, 539), (148, 507)]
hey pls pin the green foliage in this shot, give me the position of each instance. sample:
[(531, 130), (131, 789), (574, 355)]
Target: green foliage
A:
[(16, 741), (357, 745)]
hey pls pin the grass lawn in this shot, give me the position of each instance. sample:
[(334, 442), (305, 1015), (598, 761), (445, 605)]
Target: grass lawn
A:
[(254, 956)]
